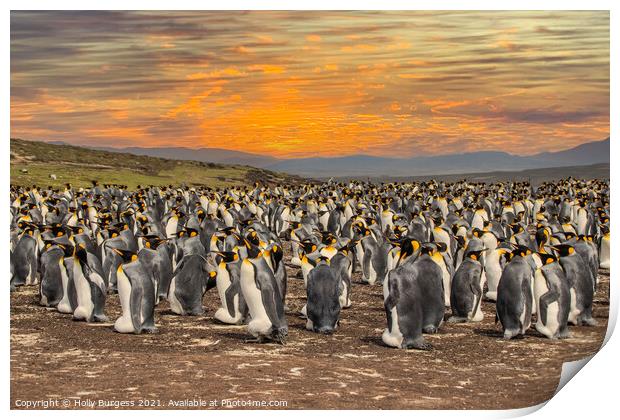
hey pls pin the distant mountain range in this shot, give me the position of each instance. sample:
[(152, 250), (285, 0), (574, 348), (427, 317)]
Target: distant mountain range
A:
[(374, 166)]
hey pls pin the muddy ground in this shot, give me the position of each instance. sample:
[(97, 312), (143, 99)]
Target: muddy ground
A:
[(470, 367)]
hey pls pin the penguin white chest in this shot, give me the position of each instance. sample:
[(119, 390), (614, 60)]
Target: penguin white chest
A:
[(64, 306), (85, 306), (260, 323), (393, 338), (124, 323), (171, 227), (550, 325), (604, 252), (223, 283), (175, 305)]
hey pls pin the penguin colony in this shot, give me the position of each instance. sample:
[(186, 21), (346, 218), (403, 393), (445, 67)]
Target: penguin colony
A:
[(437, 249)]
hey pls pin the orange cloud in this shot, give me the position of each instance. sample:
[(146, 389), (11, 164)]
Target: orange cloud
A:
[(267, 68)]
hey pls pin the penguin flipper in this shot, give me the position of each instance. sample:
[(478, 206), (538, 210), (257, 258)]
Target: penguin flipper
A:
[(135, 306), (272, 301), (545, 300), (230, 294)]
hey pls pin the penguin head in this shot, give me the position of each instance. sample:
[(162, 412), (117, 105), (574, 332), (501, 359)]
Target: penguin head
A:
[(152, 241), (308, 246), (64, 244), (441, 246), (521, 251), (547, 258), (327, 238), (564, 250), (228, 256), (428, 249), (322, 259), (252, 237), (516, 228), (191, 232), (81, 253), (254, 251), (409, 247), (211, 279), (126, 255), (475, 255)]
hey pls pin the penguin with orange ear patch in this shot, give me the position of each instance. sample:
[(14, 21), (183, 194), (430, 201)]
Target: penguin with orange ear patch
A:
[(466, 289), (89, 286), (136, 294), (190, 281), (552, 297), (233, 309), (580, 283), (156, 260), (514, 294)]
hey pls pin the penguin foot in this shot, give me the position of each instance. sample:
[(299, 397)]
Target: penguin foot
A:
[(429, 329), (510, 334), (418, 344), (280, 338), (456, 320), (149, 330), (590, 322), (100, 318), (255, 340)]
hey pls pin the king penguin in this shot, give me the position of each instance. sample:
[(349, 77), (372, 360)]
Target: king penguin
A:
[(136, 294), (262, 295), (551, 292), (466, 291), (233, 309), (190, 281), (413, 302), (514, 295), (90, 288), (323, 290), (580, 283)]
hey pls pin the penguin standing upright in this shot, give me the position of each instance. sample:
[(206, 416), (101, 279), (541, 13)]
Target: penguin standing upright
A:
[(580, 284), (373, 260), (233, 309), (604, 246), (343, 266), (552, 298), (50, 288), (136, 294), (466, 291), (90, 288), (262, 295), (514, 294), (493, 270), (156, 260), (68, 303), (190, 281), (323, 290), (25, 259), (413, 302)]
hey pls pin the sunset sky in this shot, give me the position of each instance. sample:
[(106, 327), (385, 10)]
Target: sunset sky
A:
[(300, 84)]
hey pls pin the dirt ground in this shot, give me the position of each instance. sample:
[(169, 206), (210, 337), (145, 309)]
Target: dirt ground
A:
[(194, 358)]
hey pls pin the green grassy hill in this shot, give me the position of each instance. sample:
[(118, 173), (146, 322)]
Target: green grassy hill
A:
[(33, 162)]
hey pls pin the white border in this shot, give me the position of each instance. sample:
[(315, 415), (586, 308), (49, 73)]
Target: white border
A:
[(592, 392)]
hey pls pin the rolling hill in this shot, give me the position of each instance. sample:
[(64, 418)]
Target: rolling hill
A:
[(375, 166), (372, 166), (33, 162)]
